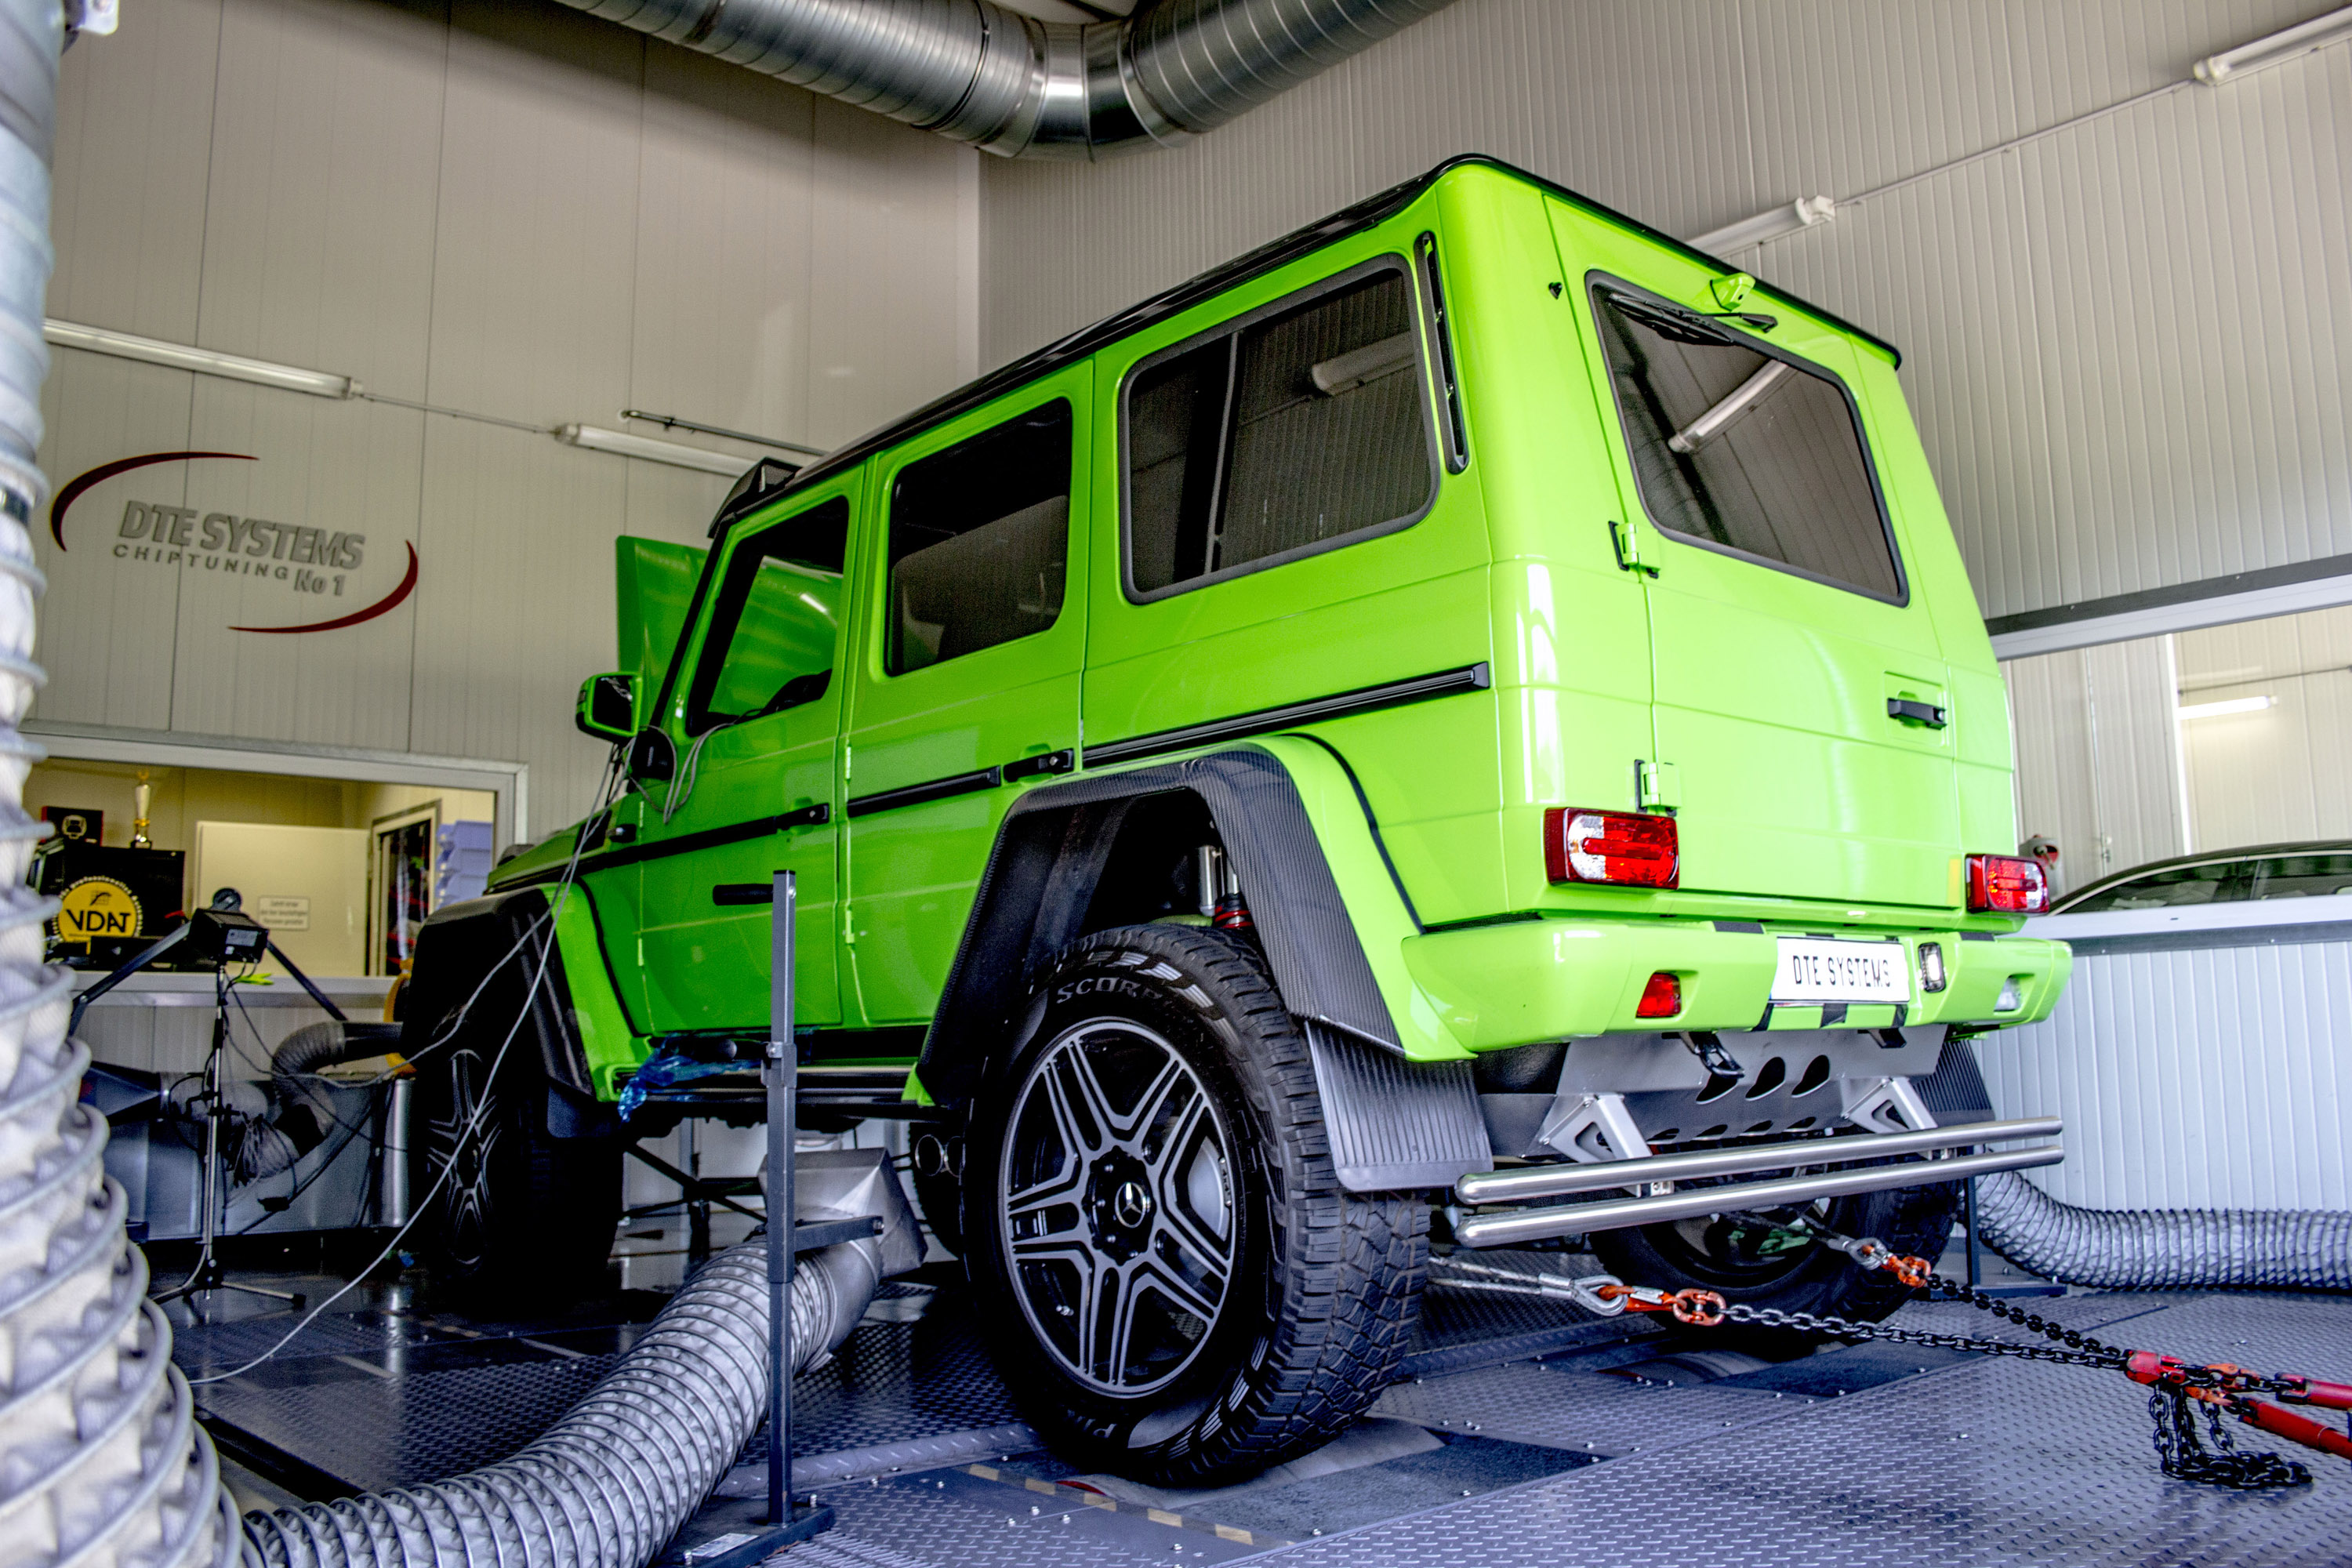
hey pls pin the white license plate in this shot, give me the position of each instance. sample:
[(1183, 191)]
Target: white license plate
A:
[(1814, 969)]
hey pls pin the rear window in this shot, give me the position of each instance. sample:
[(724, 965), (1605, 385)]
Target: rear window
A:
[(980, 541), (1292, 432), (1742, 450)]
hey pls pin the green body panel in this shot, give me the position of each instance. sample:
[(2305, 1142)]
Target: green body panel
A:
[(653, 589), (1801, 806), (607, 1040)]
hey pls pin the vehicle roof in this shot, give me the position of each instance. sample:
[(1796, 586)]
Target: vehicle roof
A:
[(1367, 213), (2208, 858)]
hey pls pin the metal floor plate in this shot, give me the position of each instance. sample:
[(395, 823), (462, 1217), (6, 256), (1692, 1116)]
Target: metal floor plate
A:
[(1861, 1455)]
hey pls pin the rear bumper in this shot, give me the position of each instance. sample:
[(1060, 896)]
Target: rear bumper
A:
[(1515, 984)]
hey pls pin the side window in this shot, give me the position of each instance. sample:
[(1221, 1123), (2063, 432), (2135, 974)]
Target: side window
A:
[(2303, 875), (1736, 448), (2166, 889), (772, 632), (980, 541), (1289, 433)]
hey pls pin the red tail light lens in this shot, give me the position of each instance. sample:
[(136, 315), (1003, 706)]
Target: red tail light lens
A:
[(1661, 998), (2006, 885), (1614, 848)]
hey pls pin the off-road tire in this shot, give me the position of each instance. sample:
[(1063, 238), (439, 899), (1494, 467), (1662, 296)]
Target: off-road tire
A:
[(1324, 1287), (526, 1216), (1914, 1221)]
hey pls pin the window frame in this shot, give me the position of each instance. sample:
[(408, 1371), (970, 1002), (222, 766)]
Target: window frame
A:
[(1598, 281), (695, 718), (894, 467), (1422, 331)]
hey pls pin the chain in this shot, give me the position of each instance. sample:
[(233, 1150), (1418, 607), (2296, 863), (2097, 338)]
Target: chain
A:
[(2180, 1389), (2183, 1454)]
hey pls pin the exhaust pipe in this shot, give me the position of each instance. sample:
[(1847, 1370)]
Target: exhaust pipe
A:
[(1553, 1181), (1579, 1219)]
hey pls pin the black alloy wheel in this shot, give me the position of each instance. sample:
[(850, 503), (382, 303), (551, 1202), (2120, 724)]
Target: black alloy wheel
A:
[(1172, 1280), (522, 1215)]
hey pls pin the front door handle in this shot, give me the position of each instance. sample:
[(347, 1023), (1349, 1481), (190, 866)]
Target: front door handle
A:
[(1925, 713)]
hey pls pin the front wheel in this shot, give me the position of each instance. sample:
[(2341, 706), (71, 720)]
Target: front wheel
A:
[(1170, 1269), (512, 1212)]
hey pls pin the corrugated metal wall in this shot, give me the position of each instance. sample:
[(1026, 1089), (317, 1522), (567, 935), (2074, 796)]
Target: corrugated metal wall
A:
[(2128, 344), (2213, 1078), (506, 209)]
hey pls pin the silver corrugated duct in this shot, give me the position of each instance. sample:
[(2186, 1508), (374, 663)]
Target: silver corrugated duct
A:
[(2164, 1250), (101, 1464), (611, 1482), (1018, 86)]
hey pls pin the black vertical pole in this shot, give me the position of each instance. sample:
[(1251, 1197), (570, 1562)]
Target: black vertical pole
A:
[(1975, 1249), (782, 1069)]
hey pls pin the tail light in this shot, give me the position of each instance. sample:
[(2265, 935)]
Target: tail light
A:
[(1661, 998), (2006, 885), (1615, 848)]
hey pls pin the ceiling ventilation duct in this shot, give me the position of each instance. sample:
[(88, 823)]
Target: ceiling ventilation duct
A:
[(1018, 86)]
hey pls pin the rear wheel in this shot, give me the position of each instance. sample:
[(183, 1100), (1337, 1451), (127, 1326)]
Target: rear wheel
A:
[(1170, 1272), (1766, 1264), (510, 1211)]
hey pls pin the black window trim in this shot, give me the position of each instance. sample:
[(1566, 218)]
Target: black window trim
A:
[(1437, 326), (1597, 283), (696, 720), (1233, 327), (898, 462)]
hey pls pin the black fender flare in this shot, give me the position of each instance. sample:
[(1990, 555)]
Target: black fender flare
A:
[(1394, 1123), (457, 946)]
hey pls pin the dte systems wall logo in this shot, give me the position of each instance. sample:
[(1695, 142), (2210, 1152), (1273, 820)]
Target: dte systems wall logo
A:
[(308, 561)]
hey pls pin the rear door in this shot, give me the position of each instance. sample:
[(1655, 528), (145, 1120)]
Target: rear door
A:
[(966, 678), (1803, 707)]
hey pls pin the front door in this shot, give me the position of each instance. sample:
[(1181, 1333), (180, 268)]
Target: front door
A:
[(757, 717), (966, 680), (1804, 709)]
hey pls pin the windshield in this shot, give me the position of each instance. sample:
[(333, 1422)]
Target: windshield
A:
[(1742, 450), (2165, 890)]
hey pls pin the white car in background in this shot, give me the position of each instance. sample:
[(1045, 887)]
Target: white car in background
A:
[(2254, 885)]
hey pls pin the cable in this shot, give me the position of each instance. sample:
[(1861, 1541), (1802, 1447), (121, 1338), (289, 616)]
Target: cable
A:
[(473, 1125)]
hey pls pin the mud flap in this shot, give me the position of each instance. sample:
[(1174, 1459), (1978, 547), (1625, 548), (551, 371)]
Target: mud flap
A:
[(1395, 1124)]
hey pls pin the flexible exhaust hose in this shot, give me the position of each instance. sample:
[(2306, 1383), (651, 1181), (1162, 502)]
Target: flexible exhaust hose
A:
[(610, 1483), (101, 1464), (2164, 1250)]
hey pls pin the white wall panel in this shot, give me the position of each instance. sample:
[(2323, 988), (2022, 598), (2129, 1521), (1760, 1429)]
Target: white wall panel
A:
[(2205, 1078), (511, 212), (321, 188), (2127, 341)]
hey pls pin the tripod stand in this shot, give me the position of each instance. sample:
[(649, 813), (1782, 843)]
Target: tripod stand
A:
[(218, 935), (208, 1274)]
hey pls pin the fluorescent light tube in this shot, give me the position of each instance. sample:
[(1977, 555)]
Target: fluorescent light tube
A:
[(1802, 213), (204, 362), (2233, 705), (620, 443), (2276, 49)]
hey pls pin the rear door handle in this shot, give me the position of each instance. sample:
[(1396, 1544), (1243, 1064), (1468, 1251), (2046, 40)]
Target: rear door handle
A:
[(1925, 713)]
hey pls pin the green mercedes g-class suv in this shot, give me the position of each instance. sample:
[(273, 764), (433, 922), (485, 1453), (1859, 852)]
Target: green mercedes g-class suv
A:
[(1471, 715)]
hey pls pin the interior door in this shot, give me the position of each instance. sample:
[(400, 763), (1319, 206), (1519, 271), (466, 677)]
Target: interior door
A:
[(1803, 707), (758, 719), (966, 677)]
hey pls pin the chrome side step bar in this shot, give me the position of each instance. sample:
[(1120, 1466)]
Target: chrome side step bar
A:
[(1507, 1228)]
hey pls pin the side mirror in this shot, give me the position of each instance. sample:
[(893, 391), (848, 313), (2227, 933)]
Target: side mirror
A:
[(608, 706)]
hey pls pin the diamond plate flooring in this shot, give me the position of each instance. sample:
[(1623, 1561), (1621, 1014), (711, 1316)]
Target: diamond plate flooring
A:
[(1552, 1450)]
